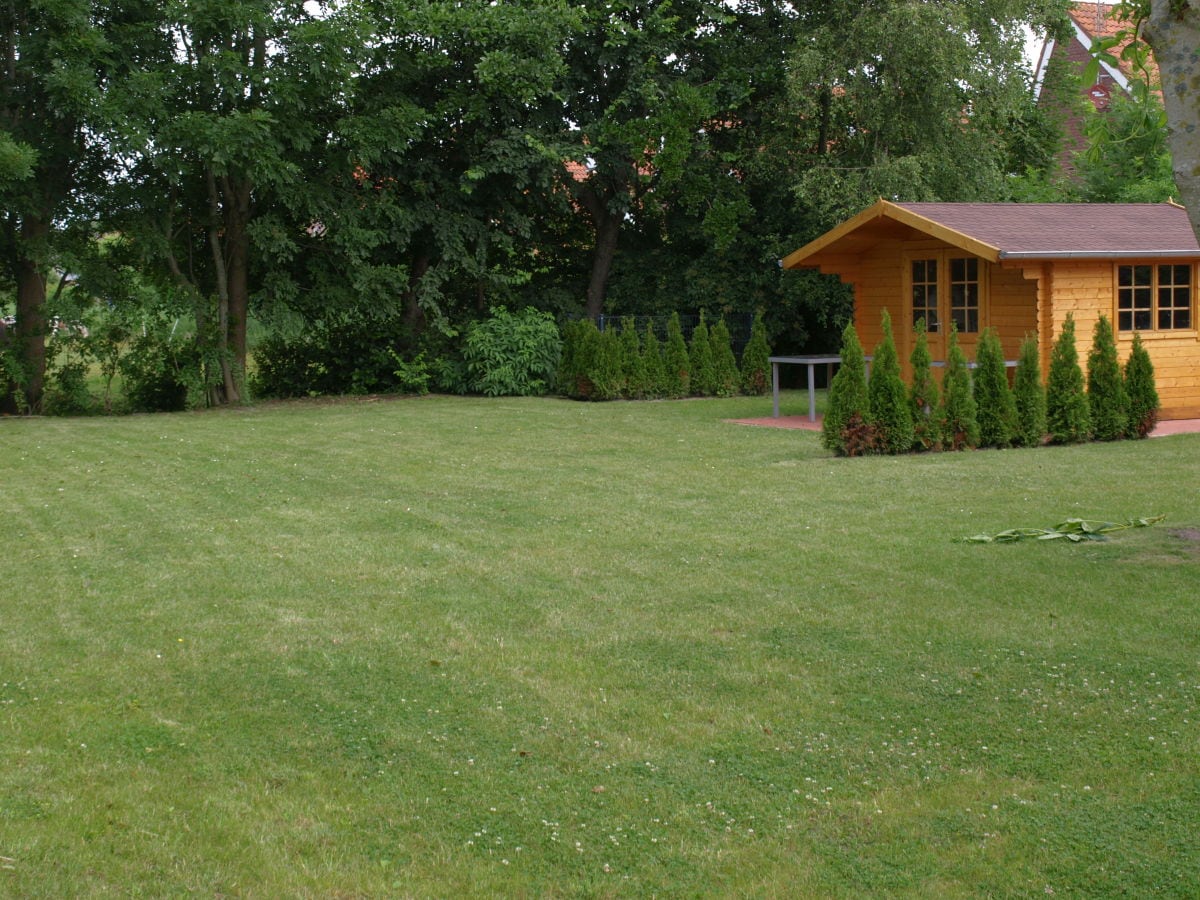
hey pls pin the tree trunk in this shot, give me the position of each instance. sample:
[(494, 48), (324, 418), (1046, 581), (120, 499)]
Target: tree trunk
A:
[(1173, 33), (30, 331), (608, 231), (237, 238)]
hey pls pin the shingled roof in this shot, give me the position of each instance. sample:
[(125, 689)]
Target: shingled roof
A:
[(1015, 231)]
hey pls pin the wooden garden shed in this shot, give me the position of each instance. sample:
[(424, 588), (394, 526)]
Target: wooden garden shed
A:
[(1021, 268)]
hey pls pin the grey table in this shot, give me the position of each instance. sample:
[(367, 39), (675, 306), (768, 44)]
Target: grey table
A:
[(812, 362)]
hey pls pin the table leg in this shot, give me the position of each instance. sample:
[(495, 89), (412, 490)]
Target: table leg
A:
[(812, 393), (775, 388)]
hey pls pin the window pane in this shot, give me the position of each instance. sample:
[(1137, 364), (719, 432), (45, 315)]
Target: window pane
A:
[(964, 293)]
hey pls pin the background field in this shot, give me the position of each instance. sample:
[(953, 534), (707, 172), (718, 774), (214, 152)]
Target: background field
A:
[(447, 646)]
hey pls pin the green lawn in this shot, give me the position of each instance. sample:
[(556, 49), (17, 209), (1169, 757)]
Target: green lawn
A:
[(464, 647)]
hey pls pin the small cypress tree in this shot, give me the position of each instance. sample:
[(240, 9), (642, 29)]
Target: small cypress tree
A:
[(567, 378), (890, 413), (1067, 416), (1107, 400), (652, 363), (631, 360), (676, 361), (923, 394), (959, 421), (607, 374), (995, 406), (848, 404), (1030, 395), (700, 356), (725, 369), (756, 360), (1140, 389)]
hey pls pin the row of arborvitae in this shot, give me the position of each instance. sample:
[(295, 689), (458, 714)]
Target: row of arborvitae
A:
[(884, 416), (616, 364)]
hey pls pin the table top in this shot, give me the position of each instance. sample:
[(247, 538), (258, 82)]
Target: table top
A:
[(804, 359)]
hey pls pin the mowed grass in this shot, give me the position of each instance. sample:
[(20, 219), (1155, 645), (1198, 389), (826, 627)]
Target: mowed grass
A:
[(464, 647)]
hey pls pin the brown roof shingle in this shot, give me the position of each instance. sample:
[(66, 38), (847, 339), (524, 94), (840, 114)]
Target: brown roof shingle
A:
[(1052, 230)]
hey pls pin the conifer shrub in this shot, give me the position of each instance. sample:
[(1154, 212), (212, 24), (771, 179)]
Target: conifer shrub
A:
[(959, 420), (848, 405), (1067, 417), (995, 406), (1141, 391), (607, 374), (923, 395), (678, 365), (581, 341), (631, 361), (652, 363), (1029, 395), (756, 360), (704, 382), (1107, 401), (888, 398), (726, 380)]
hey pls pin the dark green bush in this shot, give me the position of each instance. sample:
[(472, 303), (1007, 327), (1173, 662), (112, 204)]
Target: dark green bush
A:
[(1107, 401), (756, 365), (1067, 416), (631, 361), (1029, 395), (923, 395), (887, 396), (652, 363), (157, 371), (959, 419), (725, 369), (512, 354), (848, 403), (1141, 391), (606, 372), (995, 406), (678, 365), (700, 358)]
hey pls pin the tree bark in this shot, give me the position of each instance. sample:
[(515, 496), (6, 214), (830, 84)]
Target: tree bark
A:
[(608, 232), (30, 331), (1173, 32)]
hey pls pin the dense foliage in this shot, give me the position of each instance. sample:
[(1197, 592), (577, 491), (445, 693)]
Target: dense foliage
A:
[(1029, 395), (846, 427), (1107, 400), (1140, 390), (888, 398), (959, 414), (1068, 419), (995, 406), (342, 231), (923, 394)]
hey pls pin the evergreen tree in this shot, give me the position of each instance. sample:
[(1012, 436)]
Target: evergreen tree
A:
[(1030, 395), (1140, 389), (725, 369), (676, 361), (1107, 401), (756, 364), (1067, 416), (849, 403), (652, 363), (704, 383), (890, 413), (631, 360), (607, 373), (995, 406), (959, 420), (923, 394)]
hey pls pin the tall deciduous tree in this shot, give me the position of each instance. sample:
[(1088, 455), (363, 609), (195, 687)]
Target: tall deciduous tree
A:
[(66, 64)]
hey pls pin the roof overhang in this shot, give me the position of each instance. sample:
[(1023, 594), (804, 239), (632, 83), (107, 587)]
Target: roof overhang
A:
[(878, 222)]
